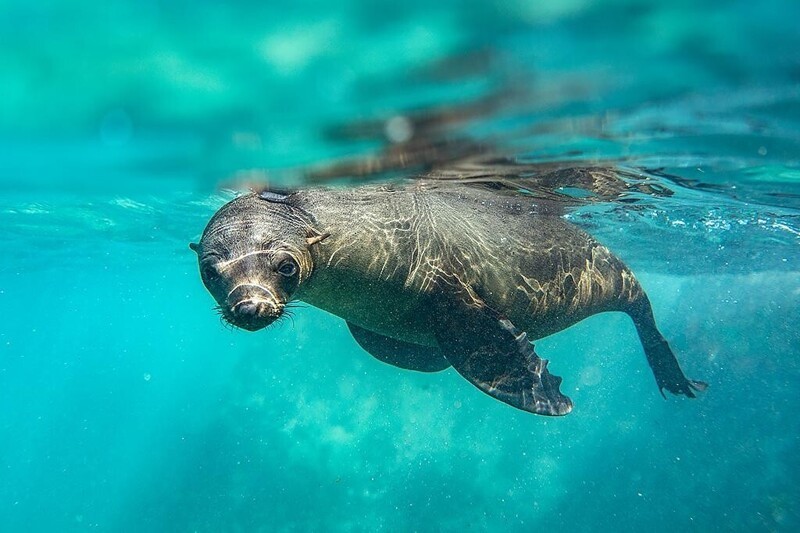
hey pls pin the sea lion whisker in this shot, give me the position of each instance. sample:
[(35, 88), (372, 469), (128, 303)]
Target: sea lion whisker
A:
[(226, 322), (285, 315), (288, 315)]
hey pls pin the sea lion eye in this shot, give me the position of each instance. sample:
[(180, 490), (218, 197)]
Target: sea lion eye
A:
[(209, 271), (288, 269)]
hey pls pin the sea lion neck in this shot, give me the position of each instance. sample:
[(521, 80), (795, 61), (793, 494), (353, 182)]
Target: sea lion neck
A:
[(362, 227), (352, 218)]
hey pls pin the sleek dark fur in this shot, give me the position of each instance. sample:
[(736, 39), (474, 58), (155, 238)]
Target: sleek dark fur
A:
[(429, 274)]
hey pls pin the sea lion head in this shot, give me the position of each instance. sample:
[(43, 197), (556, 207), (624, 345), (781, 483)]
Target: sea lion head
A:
[(253, 256)]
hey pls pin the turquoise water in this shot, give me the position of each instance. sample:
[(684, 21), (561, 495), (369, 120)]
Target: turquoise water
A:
[(128, 406)]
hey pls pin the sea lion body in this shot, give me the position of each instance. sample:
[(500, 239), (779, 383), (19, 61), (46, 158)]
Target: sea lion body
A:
[(429, 275), (380, 267)]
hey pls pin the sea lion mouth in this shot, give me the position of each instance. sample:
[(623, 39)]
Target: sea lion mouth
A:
[(253, 314), (252, 307)]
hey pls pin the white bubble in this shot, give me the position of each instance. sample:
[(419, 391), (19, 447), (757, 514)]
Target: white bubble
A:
[(398, 129)]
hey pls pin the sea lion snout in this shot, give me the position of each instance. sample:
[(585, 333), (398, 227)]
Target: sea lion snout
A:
[(253, 307), (253, 315)]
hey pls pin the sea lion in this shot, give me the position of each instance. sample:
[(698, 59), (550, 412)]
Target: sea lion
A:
[(427, 275)]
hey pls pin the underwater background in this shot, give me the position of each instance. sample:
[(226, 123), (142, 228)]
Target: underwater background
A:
[(125, 405)]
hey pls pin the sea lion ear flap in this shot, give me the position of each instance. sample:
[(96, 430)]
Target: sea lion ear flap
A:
[(193, 246), (316, 238)]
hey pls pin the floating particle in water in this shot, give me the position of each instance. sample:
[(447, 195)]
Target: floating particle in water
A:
[(591, 376), (147, 376), (398, 129)]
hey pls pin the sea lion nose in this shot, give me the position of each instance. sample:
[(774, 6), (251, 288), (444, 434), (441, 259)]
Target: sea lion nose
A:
[(255, 313), (253, 307), (248, 308)]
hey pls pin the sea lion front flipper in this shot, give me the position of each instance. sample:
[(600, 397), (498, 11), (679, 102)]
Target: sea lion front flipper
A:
[(399, 353), (492, 354)]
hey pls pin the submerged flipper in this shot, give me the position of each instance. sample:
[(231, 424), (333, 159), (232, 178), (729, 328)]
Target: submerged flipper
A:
[(498, 359), (659, 355), (399, 353)]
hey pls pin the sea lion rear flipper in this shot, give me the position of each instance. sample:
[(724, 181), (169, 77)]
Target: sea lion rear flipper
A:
[(492, 354), (399, 353), (659, 355)]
